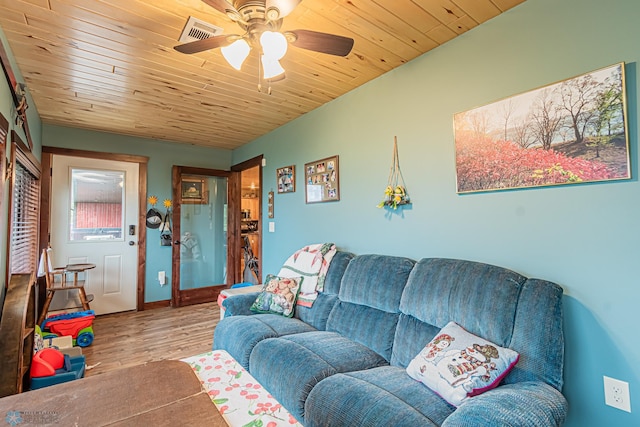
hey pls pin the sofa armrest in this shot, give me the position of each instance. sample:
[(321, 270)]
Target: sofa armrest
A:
[(237, 305), (523, 404)]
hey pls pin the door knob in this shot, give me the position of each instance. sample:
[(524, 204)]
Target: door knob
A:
[(131, 243)]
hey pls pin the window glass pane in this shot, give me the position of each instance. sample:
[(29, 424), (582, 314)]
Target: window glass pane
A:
[(203, 240), (97, 198)]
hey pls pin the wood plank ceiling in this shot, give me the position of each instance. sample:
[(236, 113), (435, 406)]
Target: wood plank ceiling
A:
[(110, 65)]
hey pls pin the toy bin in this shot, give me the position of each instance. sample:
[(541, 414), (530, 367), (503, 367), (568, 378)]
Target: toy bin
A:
[(50, 366)]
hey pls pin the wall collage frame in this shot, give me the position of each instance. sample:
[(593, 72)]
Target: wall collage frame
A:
[(321, 180)]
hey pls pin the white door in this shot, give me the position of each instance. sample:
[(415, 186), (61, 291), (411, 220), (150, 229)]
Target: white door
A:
[(94, 217)]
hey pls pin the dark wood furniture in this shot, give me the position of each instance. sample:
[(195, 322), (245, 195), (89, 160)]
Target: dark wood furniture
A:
[(50, 274), (164, 393), (17, 334)]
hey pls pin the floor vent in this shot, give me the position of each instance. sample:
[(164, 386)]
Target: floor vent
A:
[(196, 29)]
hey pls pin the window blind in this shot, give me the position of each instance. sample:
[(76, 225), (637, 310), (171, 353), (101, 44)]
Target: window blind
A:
[(24, 220)]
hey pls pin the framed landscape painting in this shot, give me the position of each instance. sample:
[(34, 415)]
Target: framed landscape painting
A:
[(566, 133)]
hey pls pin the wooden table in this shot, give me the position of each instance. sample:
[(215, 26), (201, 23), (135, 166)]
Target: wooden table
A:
[(165, 393)]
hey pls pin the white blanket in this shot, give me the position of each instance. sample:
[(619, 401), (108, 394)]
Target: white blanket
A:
[(311, 263)]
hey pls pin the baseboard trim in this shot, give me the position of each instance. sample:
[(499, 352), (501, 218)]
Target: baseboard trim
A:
[(156, 304)]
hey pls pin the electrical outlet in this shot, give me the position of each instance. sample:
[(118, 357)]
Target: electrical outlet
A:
[(162, 278), (616, 394)]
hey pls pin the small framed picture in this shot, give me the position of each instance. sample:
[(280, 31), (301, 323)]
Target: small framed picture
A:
[(321, 179), (286, 178), (194, 190)]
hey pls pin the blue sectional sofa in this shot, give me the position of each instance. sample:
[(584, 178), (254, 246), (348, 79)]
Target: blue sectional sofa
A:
[(343, 361)]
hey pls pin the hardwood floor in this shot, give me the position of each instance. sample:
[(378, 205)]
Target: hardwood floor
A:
[(133, 338)]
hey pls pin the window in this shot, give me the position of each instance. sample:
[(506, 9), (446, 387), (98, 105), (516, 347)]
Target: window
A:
[(97, 198), (25, 206)]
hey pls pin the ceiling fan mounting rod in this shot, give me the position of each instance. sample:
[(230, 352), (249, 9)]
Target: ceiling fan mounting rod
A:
[(248, 11)]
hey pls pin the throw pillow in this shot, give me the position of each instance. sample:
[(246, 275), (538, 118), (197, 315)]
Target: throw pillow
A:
[(457, 364), (278, 295)]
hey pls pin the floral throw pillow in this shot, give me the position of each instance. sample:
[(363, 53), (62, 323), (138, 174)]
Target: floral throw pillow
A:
[(457, 364), (278, 295)]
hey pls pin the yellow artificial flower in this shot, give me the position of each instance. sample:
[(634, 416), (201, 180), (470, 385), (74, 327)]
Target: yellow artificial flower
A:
[(152, 200), (167, 203), (394, 196)]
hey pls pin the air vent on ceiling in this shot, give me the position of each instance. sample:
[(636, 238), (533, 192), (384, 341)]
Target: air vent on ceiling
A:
[(197, 29)]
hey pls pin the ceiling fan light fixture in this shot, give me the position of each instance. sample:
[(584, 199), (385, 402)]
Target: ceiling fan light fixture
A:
[(271, 67), (236, 53), (274, 45)]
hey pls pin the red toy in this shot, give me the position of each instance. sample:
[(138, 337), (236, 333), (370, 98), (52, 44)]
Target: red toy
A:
[(46, 362), (77, 325), (50, 366)]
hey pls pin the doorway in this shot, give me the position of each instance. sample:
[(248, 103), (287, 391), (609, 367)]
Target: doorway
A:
[(94, 219), (200, 266), (246, 220), (250, 225)]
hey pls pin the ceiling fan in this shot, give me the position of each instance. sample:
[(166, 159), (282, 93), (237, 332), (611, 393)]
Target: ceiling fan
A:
[(261, 21)]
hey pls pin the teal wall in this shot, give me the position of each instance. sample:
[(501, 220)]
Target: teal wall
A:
[(584, 237), (162, 156), (8, 110)]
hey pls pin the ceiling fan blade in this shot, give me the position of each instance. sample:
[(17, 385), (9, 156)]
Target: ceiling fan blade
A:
[(222, 6), (322, 42), (277, 9), (204, 44)]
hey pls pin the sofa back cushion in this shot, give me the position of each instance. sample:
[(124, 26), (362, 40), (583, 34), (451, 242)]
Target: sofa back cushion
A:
[(492, 302), (318, 313), (368, 304)]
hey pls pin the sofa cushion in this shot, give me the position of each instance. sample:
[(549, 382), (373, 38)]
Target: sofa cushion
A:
[(481, 298), (491, 302), (365, 325), (290, 366), (278, 295), (467, 292), (411, 334), (457, 364), (318, 314), (368, 307), (541, 347), (376, 281), (384, 396), (239, 334)]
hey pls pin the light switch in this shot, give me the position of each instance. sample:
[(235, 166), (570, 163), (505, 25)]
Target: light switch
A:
[(272, 227)]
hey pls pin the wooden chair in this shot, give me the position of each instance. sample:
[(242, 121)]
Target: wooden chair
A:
[(50, 273)]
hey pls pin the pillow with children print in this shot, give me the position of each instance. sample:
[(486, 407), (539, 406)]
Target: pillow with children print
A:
[(457, 364), (278, 295)]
